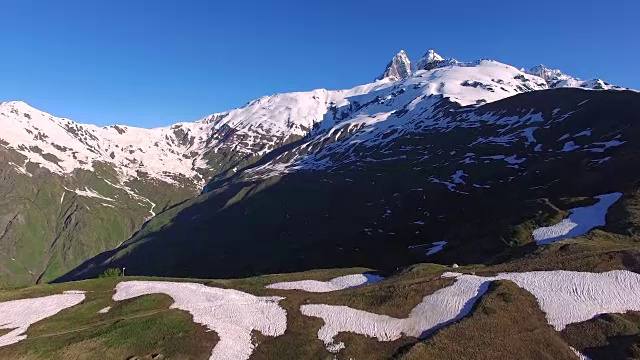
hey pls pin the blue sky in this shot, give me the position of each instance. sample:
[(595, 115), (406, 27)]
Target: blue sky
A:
[(157, 62)]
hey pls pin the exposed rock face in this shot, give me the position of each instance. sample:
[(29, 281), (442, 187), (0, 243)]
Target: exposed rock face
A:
[(399, 67)]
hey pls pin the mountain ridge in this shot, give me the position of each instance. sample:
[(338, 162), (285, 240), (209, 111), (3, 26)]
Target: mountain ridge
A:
[(129, 174)]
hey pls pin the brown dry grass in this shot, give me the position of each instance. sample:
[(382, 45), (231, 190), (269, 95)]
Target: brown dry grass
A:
[(608, 336), (597, 251), (505, 324), (394, 298)]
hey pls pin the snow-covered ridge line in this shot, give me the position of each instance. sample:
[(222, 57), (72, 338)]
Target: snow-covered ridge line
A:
[(183, 150), (556, 78), (335, 284), (18, 315), (232, 314), (62, 146)]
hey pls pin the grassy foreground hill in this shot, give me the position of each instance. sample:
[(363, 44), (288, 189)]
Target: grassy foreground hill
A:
[(506, 321)]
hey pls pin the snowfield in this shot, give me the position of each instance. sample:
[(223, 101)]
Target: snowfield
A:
[(569, 297), (566, 297), (434, 312), (232, 314), (339, 283), (580, 221), (20, 314)]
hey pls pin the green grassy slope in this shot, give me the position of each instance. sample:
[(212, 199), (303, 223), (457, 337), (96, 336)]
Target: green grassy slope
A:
[(47, 230), (249, 225), (506, 322)]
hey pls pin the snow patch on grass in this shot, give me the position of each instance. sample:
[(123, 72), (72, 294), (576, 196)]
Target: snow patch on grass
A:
[(105, 310), (457, 177), (583, 133), (580, 355), (580, 221), (566, 297), (20, 314), (232, 314), (339, 283), (569, 297), (570, 146), (437, 247), (602, 146), (434, 312)]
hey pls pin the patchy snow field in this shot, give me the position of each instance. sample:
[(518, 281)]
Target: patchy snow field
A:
[(232, 314), (339, 283), (569, 297), (566, 297), (435, 311), (580, 221), (20, 314)]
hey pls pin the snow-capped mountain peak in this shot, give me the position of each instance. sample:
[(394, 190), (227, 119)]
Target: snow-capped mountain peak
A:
[(398, 68), (548, 74), (227, 140), (431, 56), (428, 60)]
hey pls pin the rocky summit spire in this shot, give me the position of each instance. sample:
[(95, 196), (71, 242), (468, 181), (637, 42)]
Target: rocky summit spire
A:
[(398, 68), (547, 74), (428, 60)]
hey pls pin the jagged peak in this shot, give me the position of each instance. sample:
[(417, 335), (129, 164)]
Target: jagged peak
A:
[(402, 53), (398, 68), (431, 56), (429, 60), (547, 73)]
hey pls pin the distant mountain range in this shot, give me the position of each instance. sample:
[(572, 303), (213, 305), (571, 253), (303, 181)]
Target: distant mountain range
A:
[(433, 150)]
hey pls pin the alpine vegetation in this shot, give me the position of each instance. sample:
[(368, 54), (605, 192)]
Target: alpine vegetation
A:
[(232, 314), (18, 315)]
